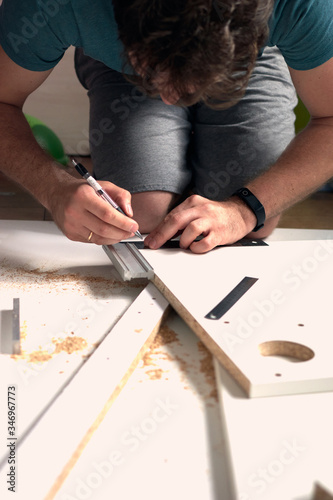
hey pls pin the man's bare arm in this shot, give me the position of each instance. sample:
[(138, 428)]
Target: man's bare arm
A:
[(308, 161), (74, 206)]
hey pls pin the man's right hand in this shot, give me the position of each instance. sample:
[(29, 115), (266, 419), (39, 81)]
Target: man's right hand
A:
[(78, 211)]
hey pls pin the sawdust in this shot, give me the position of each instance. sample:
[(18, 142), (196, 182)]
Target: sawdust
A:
[(155, 374), (207, 369), (23, 331), (39, 356), (164, 337), (68, 345), (57, 280), (153, 357), (157, 355)]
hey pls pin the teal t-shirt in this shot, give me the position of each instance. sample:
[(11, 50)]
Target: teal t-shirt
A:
[(36, 33)]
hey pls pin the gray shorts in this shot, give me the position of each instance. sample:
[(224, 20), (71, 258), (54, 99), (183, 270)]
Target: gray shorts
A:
[(142, 144)]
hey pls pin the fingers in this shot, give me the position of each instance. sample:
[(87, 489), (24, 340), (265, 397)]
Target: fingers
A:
[(217, 223), (105, 212), (189, 217), (107, 230), (79, 211), (121, 196), (166, 230)]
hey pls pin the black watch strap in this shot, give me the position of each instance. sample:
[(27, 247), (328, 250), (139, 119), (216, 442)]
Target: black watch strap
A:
[(254, 204)]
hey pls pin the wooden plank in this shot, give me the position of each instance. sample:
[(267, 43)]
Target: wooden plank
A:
[(286, 313), (82, 405)]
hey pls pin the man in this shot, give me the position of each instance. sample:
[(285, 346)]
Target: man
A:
[(198, 56)]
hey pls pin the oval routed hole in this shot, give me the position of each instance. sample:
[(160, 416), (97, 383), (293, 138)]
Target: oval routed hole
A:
[(291, 350)]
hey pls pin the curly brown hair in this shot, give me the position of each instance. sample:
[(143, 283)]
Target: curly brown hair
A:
[(210, 46)]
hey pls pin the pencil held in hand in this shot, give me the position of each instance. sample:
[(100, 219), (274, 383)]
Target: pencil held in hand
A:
[(99, 190)]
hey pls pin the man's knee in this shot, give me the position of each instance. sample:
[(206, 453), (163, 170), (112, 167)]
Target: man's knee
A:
[(151, 207)]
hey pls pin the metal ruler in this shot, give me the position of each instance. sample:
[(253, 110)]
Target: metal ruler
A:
[(10, 329), (130, 263), (230, 300)]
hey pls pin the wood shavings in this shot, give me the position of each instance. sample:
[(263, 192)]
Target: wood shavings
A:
[(58, 281), (23, 331), (155, 354), (155, 374), (37, 356), (156, 364), (164, 337), (70, 344), (207, 368)]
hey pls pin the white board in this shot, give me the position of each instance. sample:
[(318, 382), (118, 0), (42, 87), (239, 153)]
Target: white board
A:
[(287, 311)]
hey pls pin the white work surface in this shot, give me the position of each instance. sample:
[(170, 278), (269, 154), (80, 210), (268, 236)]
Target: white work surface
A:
[(164, 428), (163, 436)]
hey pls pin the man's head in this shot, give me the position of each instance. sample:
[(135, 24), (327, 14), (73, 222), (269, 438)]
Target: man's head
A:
[(196, 50)]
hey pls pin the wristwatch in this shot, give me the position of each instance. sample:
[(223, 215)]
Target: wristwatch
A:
[(254, 204)]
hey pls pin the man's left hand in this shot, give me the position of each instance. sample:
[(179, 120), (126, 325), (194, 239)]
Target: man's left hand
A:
[(219, 223)]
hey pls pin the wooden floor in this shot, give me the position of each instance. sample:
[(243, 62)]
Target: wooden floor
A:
[(316, 212)]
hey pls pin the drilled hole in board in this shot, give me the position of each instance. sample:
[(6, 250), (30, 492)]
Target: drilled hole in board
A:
[(290, 350)]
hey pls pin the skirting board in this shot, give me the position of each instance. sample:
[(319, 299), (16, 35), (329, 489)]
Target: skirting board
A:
[(83, 404), (276, 339)]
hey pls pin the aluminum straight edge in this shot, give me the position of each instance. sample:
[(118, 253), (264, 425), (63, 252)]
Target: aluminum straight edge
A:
[(128, 261), (16, 327)]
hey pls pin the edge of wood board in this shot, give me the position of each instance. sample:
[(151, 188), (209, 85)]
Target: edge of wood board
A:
[(85, 440), (211, 345)]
